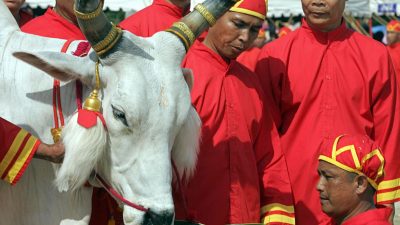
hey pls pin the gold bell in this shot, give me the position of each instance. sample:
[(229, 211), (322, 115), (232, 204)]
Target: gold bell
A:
[(93, 103), (56, 133)]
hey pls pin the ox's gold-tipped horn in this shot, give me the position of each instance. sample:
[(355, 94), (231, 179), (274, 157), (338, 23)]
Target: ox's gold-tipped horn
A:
[(101, 33), (203, 16)]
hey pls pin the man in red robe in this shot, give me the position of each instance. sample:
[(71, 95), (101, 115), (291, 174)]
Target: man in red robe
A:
[(393, 43), (241, 174), (327, 80), (17, 147), (350, 169), (160, 15), (20, 16), (60, 22)]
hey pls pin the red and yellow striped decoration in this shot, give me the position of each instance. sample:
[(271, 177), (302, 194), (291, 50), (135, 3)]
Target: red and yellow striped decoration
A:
[(278, 214), (388, 191), (17, 148)]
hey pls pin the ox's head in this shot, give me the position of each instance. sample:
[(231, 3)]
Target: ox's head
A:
[(146, 107)]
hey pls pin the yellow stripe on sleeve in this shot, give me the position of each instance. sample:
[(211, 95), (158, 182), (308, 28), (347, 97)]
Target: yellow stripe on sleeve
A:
[(388, 184), (21, 159), (388, 196), (277, 207), (276, 218), (13, 150)]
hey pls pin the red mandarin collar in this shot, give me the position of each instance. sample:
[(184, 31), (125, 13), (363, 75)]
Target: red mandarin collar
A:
[(216, 59), (337, 34)]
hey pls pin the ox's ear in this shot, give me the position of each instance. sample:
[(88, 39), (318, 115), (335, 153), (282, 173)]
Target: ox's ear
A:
[(188, 75), (59, 65), (186, 145)]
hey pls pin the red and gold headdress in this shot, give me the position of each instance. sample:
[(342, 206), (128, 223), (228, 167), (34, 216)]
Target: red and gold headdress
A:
[(257, 8), (393, 26), (356, 154)]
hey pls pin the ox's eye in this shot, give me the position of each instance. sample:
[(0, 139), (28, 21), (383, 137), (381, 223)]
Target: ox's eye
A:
[(119, 115)]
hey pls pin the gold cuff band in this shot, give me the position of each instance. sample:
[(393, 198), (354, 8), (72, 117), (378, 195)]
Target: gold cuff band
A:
[(109, 41), (91, 15), (206, 14)]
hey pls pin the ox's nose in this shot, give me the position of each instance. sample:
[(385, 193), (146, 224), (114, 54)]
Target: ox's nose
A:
[(159, 218)]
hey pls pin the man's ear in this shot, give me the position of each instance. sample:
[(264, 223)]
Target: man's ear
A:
[(188, 75), (361, 183), (61, 66)]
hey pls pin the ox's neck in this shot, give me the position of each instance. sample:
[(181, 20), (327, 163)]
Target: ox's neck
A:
[(27, 97)]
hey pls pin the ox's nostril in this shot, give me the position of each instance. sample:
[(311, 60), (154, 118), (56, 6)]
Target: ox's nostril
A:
[(160, 218)]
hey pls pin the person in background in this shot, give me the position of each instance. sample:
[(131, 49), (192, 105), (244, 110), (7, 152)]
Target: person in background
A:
[(350, 169), (326, 80), (393, 44), (283, 31), (57, 22), (241, 175), (160, 15), (18, 147), (21, 16)]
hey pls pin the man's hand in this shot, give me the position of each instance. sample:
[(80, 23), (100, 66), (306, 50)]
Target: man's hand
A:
[(53, 153)]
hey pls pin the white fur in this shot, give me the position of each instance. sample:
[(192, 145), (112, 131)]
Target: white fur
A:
[(83, 149), (186, 146)]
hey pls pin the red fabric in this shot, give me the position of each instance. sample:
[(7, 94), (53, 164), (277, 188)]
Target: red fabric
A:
[(158, 16), (24, 17), (240, 158), (394, 51), (53, 25), (371, 217), (88, 119), (326, 84), (249, 58), (356, 154), (8, 133)]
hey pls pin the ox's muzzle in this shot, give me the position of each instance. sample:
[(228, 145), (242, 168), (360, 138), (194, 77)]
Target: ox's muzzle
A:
[(162, 218)]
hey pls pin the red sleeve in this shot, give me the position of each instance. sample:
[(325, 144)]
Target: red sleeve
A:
[(270, 85), (17, 148), (386, 111), (276, 193)]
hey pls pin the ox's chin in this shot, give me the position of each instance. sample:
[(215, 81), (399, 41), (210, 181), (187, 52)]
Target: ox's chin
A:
[(83, 149)]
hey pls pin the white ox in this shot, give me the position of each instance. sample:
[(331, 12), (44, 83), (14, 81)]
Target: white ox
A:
[(146, 105)]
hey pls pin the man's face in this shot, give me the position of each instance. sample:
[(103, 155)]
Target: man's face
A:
[(233, 33), (323, 15), (337, 190), (14, 5), (392, 37)]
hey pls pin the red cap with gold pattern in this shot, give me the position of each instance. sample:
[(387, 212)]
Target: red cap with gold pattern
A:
[(393, 26), (356, 154), (257, 8)]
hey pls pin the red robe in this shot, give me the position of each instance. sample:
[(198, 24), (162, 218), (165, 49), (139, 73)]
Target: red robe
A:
[(240, 162), (17, 148), (249, 58), (104, 208), (324, 85), (394, 51), (158, 16), (53, 25), (371, 217)]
